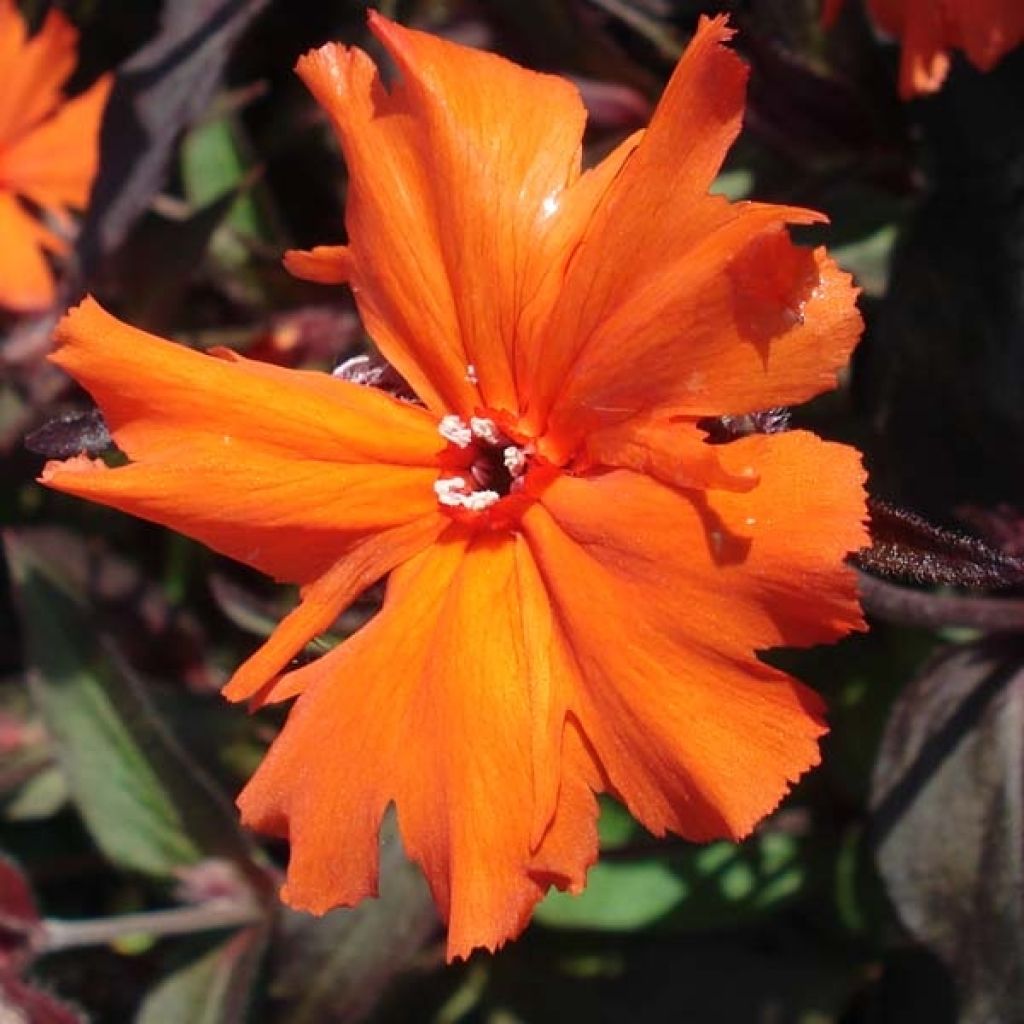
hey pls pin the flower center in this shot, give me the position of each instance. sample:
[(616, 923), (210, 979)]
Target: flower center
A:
[(489, 465)]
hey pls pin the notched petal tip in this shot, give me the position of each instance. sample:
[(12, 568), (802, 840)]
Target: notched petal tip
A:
[(77, 321), (715, 25)]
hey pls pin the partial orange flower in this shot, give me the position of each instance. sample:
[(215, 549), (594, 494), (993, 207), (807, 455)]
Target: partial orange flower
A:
[(48, 152), (985, 30), (579, 582)]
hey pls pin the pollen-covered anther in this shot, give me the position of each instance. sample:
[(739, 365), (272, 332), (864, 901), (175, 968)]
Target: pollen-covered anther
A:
[(455, 492), (455, 430), (515, 461), (486, 430)]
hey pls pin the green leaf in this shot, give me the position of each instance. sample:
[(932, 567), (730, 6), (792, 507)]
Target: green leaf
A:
[(215, 988), (145, 802), (619, 897), (683, 888), (41, 796)]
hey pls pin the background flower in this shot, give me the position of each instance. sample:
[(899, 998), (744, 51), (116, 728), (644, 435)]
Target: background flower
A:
[(49, 147), (929, 29)]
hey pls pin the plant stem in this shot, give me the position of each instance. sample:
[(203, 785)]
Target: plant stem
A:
[(907, 606), (56, 934)]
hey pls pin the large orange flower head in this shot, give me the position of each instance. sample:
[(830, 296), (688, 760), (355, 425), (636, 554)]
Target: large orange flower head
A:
[(48, 151), (985, 30), (579, 583)]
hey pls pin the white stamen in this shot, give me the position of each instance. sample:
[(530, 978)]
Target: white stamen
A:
[(453, 428), (450, 491), (515, 460), (485, 429), (471, 374), (477, 501), (550, 205), (453, 492)]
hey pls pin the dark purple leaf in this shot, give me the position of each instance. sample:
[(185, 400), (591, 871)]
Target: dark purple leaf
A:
[(334, 969), (161, 90), (906, 547), (948, 805)]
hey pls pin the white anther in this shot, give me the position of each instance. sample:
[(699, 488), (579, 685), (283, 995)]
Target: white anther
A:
[(453, 428), (485, 429), (454, 492), (477, 501), (515, 460), (451, 490), (471, 374)]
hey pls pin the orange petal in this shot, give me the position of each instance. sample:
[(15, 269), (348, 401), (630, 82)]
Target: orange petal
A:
[(34, 71), (761, 323), (285, 470), (161, 400), (989, 29), (663, 599), (26, 281), (290, 518), (440, 725), (924, 61), (658, 199), (54, 164), (671, 452), (326, 264), (323, 600), (502, 143), (13, 33), (677, 300), (568, 847), (454, 175), (548, 258)]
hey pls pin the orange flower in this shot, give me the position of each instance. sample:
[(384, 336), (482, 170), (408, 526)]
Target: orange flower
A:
[(986, 30), (579, 582), (48, 151)]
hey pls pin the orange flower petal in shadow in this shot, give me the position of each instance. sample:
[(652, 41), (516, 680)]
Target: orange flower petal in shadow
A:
[(985, 30), (55, 164), (26, 281), (48, 150), (34, 71)]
